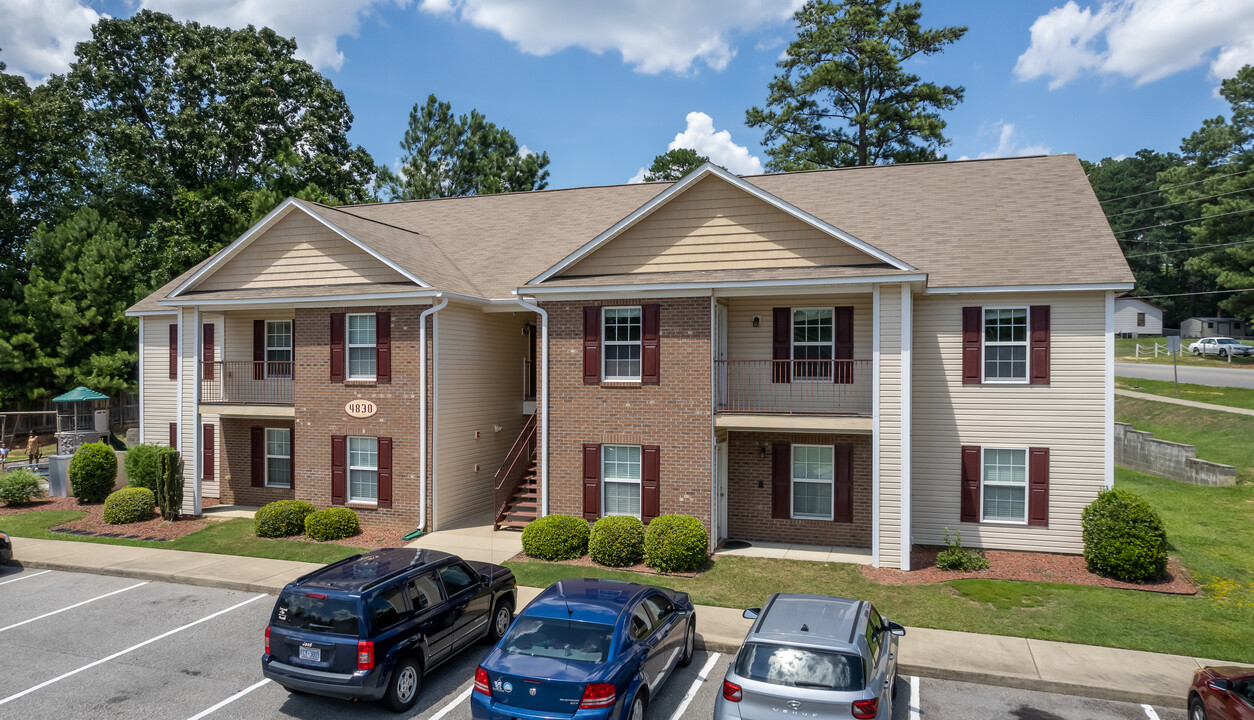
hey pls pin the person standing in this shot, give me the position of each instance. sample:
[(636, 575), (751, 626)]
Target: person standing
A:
[(32, 448), (4, 454)]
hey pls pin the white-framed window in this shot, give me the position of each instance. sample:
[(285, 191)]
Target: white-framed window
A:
[(1140, 319), (363, 469), (361, 356), (813, 481), (278, 348), (620, 480), (1004, 485), (621, 329), (278, 457), (814, 339), (1005, 344)]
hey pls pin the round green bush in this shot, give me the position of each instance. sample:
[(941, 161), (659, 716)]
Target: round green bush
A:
[(129, 505), (334, 523), (1124, 538), (676, 543), (282, 518), (556, 537), (143, 468), (617, 541), (93, 470), (20, 487)]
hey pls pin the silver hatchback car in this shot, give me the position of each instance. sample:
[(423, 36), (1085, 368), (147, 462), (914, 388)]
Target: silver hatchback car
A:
[(813, 656)]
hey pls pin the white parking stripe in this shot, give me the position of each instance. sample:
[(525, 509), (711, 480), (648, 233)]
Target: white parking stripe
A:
[(452, 705), (71, 607), (26, 577), (916, 705), (132, 648), (1149, 712), (229, 700), (696, 685)]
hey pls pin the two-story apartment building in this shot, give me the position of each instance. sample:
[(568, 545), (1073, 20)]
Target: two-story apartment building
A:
[(858, 357)]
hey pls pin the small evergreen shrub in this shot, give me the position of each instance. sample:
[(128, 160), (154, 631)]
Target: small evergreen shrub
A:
[(169, 489), (129, 505), (93, 469), (956, 557), (676, 543), (556, 537), (282, 518), (20, 487), (143, 467), (1124, 538), (617, 541), (334, 523)]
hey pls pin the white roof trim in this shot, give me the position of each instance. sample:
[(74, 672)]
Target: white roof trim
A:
[(691, 179), (1027, 288), (264, 224), (145, 313), (324, 299), (542, 290)]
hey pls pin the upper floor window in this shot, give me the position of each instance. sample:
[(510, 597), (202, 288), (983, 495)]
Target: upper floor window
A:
[(1006, 344), (362, 355), (621, 337), (363, 469), (278, 348), (1004, 484), (813, 339)]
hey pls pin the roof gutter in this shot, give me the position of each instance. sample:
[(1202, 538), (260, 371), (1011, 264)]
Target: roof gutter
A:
[(422, 413), (544, 401)]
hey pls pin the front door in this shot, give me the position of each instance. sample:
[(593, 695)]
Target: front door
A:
[(720, 493)]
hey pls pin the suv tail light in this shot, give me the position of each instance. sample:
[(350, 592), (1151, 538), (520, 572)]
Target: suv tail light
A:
[(365, 655), (597, 695), (267, 639), (482, 684), (866, 708), (731, 691)]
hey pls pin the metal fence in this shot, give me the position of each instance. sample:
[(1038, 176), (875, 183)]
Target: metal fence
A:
[(247, 382), (793, 386)]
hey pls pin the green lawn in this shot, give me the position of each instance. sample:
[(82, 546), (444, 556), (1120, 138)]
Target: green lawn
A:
[(1125, 351), (1232, 397), (1219, 436)]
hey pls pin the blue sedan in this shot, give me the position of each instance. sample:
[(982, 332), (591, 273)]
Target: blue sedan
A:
[(586, 649)]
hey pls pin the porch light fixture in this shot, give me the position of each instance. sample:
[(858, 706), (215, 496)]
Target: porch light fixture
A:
[(762, 451), (756, 321)]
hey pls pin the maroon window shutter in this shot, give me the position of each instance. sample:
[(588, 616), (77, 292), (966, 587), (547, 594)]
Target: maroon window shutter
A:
[(650, 475), (383, 347), (339, 479), (1038, 358), (651, 362), (843, 350), (207, 453), (174, 435), (291, 452), (781, 345), (337, 347), (259, 349), (591, 480), (174, 351), (842, 490), (385, 472), (591, 344), (970, 483), (781, 480), (258, 435), (972, 345), (206, 350), (1038, 486)]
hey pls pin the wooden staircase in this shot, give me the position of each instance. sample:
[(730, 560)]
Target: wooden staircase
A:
[(517, 493), (523, 504)]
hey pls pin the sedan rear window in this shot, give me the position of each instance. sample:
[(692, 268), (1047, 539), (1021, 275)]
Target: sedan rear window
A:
[(316, 613), (800, 667), (562, 639)]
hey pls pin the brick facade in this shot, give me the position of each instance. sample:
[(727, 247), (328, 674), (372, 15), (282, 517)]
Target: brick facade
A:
[(236, 464)]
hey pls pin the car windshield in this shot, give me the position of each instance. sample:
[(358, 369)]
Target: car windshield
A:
[(316, 612), (561, 639), (800, 667)]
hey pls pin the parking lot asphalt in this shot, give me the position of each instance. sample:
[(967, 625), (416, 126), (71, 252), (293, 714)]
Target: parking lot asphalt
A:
[(76, 645)]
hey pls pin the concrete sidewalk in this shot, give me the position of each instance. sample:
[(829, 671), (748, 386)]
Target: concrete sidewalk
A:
[(1186, 403), (1091, 671)]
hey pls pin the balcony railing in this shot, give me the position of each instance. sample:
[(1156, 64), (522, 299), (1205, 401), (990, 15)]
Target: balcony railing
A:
[(793, 387), (247, 382)]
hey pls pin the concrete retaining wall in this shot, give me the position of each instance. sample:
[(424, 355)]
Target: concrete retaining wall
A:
[(1139, 450)]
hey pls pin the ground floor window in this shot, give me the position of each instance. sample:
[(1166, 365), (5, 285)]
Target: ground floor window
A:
[(1004, 484), (363, 469), (813, 477), (620, 479), (278, 457)]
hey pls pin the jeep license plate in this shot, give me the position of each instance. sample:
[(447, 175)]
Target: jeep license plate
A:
[(311, 654)]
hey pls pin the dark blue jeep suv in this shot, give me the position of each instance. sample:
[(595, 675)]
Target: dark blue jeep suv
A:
[(369, 626)]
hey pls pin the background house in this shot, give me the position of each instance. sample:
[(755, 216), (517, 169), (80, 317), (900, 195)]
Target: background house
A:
[(1201, 327), (1135, 317)]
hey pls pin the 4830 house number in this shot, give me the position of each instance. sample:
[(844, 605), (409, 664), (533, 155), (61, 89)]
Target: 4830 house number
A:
[(361, 408)]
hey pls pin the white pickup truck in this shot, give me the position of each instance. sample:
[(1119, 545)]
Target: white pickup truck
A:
[(1222, 346)]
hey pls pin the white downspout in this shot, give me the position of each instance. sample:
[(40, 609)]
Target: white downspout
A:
[(422, 409), (544, 403)]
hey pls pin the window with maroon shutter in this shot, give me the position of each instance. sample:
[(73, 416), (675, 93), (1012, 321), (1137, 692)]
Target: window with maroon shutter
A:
[(339, 471), (843, 345), (207, 350), (1038, 358), (207, 453), (337, 347), (651, 363), (842, 488), (591, 480), (291, 460), (174, 435), (174, 351), (1038, 486), (650, 476), (258, 438), (972, 334), (383, 346), (781, 480), (781, 345), (259, 349), (970, 486), (591, 344), (385, 472)]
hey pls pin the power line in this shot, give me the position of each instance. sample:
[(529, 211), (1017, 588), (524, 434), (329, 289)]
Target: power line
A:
[(1182, 202), (1205, 292), (1181, 222), (1186, 249), (1172, 187)]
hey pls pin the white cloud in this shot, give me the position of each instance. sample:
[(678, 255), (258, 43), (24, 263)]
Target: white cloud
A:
[(652, 35), (1145, 40), (38, 36), (717, 146), (1009, 144)]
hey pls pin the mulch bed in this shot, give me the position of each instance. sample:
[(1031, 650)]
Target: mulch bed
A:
[(93, 523), (1035, 567), (586, 561), (372, 538)]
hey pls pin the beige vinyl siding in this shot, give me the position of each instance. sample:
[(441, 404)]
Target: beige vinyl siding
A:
[(715, 226), (160, 396), (479, 359), (236, 338), (746, 342), (1067, 416), (299, 251), (890, 426)]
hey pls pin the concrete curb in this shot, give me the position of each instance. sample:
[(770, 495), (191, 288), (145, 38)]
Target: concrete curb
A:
[(1049, 686), (216, 583)]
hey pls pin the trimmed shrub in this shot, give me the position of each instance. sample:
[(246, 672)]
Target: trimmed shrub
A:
[(556, 537), (956, 557), (282, 518), (93, 469), (143, 467), (170, 482), (1124, 538), (129, 505), (335, 523), (617, 541), (20, 487), (676, 543)]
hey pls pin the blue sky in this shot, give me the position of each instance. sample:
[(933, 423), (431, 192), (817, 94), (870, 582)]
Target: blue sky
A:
[(605, 87)]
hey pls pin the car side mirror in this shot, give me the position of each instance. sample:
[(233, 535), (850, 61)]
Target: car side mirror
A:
[(1218, 685), (751, 613), (896, 628)]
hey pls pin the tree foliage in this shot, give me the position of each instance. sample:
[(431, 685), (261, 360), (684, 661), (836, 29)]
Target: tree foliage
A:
[(674, 165), (845, 98), (450, 156)]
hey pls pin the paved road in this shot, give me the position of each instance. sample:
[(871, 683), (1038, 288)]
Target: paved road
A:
[(1221, 377), (88, 646)]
